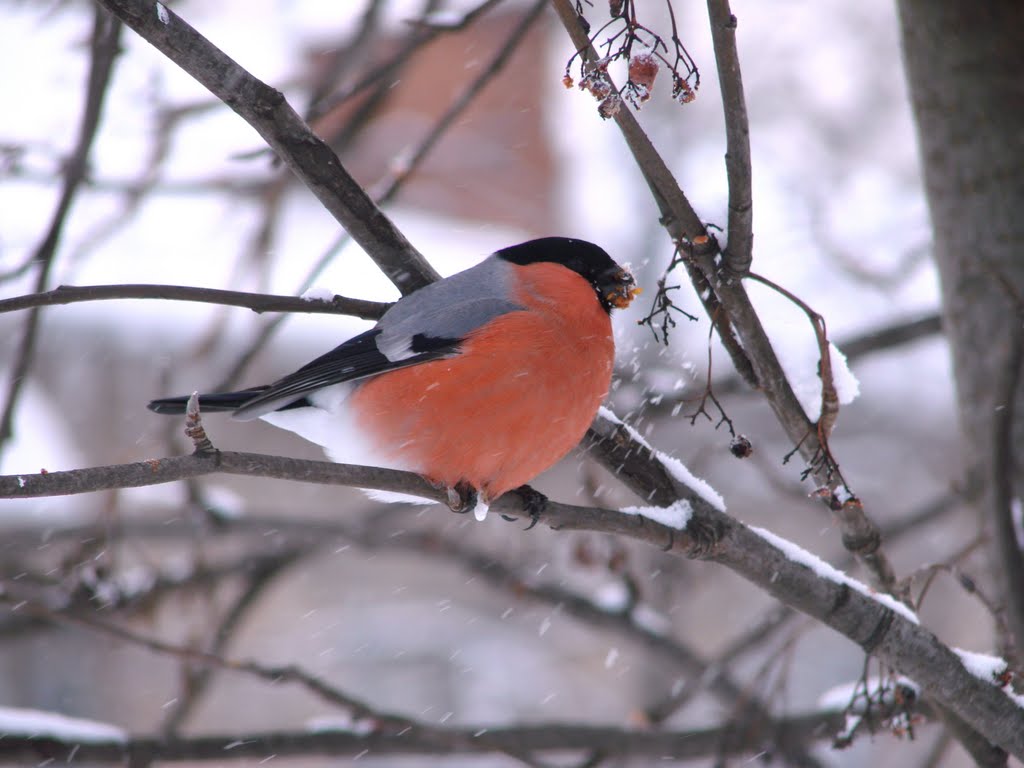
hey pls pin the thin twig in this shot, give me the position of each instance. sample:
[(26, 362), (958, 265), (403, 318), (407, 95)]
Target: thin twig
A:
[(863, 617), (77, 594), (27, 262), (423, 33), (1003, 476), (475, 739), (829, 410), (725, 298), (894, 334), (381, 724), (738, 252), (197, 679), (677, 214), (257, 302), (405, 166), (272, 674), (135, 193), (104, 48), (677, 657), (398, 176), (266, 110), (864, 344), (375, 721), (343, 135), (347, 56)]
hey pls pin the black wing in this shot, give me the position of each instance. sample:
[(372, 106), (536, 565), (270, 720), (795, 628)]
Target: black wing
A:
[(357, 358)]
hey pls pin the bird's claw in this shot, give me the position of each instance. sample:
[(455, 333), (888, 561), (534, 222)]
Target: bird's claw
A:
[(534, 502), (461, 497)]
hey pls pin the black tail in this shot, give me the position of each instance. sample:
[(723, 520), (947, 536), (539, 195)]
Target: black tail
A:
[(222, 401)]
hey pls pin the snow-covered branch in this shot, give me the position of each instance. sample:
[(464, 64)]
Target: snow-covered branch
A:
[(729, 308)]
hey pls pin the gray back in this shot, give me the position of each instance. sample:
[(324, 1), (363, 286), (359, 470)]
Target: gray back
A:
[(448, 309)]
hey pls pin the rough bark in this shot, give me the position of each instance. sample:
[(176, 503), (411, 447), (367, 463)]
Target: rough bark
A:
[(965, 67)]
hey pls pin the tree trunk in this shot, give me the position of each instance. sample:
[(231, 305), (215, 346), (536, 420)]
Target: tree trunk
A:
[(965, 66)]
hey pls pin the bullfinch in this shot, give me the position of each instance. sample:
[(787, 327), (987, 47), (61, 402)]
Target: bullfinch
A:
[(478, 382)]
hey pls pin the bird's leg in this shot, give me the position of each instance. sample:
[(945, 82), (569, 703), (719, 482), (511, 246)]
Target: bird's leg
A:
[(461, 497), (533, 501)]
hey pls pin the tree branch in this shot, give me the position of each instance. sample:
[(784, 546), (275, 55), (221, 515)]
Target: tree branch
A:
[(748, 712), (864, 344), (739, 251), (711, 535), (887, 337), (468, 740), (379, 732), (874, 624), (257, 302), (267, 111), (390, 187), (196, 679), (385, 71), (726, 301), (1007, 534), (104, 47)]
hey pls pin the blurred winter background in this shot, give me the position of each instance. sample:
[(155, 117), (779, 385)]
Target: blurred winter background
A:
[(385, 606)]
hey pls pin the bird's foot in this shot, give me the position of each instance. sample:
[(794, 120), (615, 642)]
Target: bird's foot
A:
[(534, 502), (461, 497)]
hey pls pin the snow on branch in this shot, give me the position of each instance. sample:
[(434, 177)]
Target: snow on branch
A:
[(729, 307)]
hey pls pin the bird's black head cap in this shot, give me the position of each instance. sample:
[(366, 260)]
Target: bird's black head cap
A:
[(613, 284)]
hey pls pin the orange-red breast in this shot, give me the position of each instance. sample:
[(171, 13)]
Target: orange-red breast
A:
[(484, 379)]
